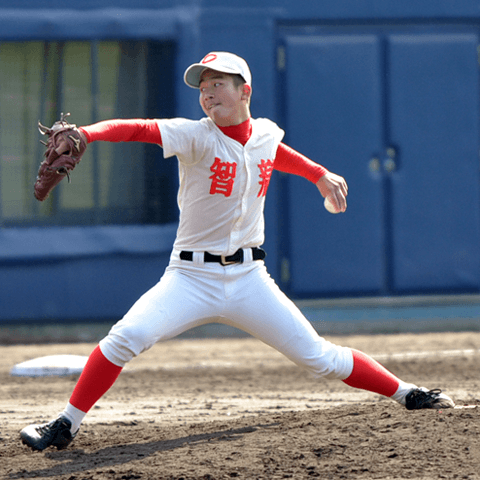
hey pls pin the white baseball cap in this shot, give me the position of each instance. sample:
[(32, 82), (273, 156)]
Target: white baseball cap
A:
[(221, 62)]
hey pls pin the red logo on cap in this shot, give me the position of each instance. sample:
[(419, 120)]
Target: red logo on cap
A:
[(209, 58)]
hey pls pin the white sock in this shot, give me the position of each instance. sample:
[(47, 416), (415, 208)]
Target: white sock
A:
[(402, 390), (75, 415)]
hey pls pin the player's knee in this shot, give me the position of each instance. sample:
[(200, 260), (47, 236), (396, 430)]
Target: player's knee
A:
[(124, 343), (336, 362)]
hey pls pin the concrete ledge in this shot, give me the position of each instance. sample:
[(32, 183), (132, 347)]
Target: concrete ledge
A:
[(400, 301)]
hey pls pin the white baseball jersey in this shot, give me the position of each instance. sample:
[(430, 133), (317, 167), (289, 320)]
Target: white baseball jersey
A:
[(222, 183)]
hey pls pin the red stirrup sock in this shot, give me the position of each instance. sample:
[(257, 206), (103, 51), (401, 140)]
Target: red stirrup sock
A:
[(98, 375), (368, 374)]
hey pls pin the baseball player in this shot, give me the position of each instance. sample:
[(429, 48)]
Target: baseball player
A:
[(216, 271)]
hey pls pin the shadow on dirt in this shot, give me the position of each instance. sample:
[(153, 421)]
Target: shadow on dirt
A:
[(77, 461)]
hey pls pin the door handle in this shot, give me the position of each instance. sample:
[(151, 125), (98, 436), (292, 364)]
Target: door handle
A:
[(390, 163), (374, 165)]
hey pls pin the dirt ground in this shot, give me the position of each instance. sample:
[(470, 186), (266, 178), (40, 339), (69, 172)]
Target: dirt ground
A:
[(234, 408)]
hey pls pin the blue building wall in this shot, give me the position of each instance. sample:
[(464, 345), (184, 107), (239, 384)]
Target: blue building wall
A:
[(414, 228)]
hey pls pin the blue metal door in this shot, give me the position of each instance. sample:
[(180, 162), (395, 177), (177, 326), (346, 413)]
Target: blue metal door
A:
[(334, 116), (433, 89), (397, 114)]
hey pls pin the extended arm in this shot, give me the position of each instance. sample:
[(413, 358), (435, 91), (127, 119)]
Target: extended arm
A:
[(133, 130)]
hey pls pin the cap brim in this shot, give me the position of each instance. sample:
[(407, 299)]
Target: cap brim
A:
[(192, 75)]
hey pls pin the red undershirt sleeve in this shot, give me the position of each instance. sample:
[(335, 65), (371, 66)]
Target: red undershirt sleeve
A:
[(289, 160), (133, 130)]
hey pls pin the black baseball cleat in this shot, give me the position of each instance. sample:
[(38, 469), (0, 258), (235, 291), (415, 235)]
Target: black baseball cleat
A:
[(422, 398), (56, 434)]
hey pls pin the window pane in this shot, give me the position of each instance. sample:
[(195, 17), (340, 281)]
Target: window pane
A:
[(107, 78), (77, 100), (125, 185), (20, 85)]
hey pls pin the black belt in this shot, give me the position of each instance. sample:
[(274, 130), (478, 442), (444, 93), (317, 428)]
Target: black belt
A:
[(237, 257)]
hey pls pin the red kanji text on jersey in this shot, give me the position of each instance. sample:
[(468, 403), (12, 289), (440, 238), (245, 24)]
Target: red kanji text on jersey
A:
[(223, 177), (266, 169)]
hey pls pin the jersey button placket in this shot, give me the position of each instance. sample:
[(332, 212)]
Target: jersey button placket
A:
[(236, 232)]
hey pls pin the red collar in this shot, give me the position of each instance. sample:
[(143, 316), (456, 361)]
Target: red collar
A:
[(241, 133)]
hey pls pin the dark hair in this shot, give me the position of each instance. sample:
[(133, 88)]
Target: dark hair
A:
[(238, 80)]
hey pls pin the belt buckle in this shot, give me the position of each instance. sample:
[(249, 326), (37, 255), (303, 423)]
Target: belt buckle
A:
[(224, 262)]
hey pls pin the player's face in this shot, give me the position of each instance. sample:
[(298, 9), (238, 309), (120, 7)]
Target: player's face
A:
[(222, 101)]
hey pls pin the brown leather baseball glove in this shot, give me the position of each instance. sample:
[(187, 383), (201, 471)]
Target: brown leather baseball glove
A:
[(65, 147)]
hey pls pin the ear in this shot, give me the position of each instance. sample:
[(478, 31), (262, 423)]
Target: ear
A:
[(246, 91)]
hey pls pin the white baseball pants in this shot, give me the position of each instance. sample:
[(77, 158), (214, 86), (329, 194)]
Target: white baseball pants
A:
[(193, 293)]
